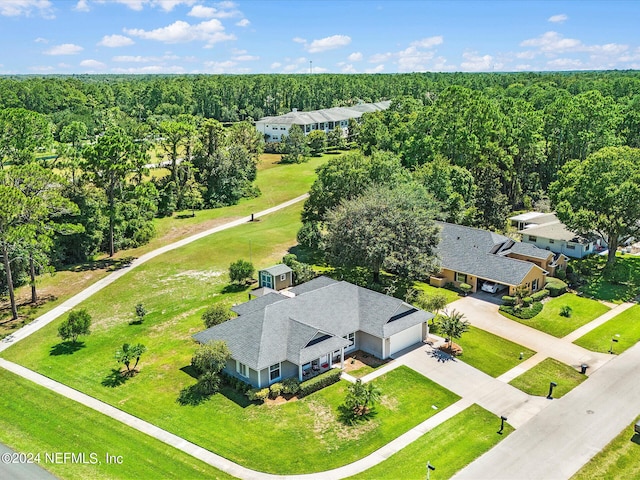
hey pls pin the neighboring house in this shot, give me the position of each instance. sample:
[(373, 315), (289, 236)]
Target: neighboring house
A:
[(276, 337), (545, 231), (273, 128), (473, 256), (277, 277)]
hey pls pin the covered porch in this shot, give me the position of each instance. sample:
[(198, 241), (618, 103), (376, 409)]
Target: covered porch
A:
[(317, 360)]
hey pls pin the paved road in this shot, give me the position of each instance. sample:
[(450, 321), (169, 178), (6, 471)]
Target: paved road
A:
[(21, 471), (564, 436)]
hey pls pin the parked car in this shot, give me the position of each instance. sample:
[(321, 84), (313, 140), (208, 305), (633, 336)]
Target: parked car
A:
[(492, 287), (636, 428)]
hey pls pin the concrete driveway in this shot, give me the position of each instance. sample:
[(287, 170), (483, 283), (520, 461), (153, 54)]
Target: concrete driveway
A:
[(484, 314)]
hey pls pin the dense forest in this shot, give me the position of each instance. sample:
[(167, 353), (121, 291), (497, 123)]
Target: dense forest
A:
[(74, 148)]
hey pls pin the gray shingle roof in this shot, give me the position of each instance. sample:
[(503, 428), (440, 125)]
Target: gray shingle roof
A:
[(470, 250), (281, 329), (314, 284), (335, 114), (276, 270), (529, 250), (554, 231), (257, 303)]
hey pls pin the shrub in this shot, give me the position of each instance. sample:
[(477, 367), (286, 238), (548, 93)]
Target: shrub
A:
[(526, 301), (209, 383), (465, 288), (507, 300), (561, 274), (556, 287), (539, 295), (211, 357), (77, 324), (240, 271), (566, 311), (261, 395), (290, 386), (215, 315), (319, 382), (524, 313), (275, 390)]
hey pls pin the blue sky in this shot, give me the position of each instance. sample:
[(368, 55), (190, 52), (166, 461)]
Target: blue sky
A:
[(366, 36)]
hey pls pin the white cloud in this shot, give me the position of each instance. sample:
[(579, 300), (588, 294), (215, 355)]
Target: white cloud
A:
[(42, 68), (413, 60), (225, 10), (428, 42), (328, 43), (564, 63), (82, 6), (228, 66), (92, 64), (166, 5), (115, 41), (146, 59), (561, 18), (15, 8), (243, 23), (348, 68), (200, 11), (528, 54), (476, 63), (275, 65), (246, 58), (355, 57), (552, 42), (64, 49), (523, 68), (41, 40), (376, 69), (150, 69), (210, 32), (299, 40), (380, 57)]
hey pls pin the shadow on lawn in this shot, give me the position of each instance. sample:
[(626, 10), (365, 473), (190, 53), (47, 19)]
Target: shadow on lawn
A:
[(108, 264), (66, 348), (234, 288), (348, 417), (115, 378)]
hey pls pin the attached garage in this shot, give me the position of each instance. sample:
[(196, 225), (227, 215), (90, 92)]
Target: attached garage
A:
[(405, 338)]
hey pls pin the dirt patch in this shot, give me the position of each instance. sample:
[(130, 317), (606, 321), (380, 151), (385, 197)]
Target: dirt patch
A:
[(389, 402), (196, 274), (455, 349), (359, 359), (330, 431)]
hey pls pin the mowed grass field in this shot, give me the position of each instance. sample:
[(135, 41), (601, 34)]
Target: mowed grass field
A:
[(536, 381), (624, 327), (449, 447), (277, 182), (297, 437), (38, 421)]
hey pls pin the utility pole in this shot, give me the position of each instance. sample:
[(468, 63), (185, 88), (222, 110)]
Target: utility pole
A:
[(310, 66)]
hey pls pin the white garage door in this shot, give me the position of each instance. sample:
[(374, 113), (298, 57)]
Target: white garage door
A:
[(405, 339)]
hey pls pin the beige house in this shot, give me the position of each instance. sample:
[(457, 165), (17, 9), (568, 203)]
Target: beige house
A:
[(474, 256)]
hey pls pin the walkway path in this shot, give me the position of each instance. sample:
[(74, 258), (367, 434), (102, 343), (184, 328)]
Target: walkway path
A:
[(485, 315), (567, 434), (64, 307)]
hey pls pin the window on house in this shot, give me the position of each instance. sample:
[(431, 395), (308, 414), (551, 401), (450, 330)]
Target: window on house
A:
[(274, 372), (461, 277), (534, 285), (241, 368), (283, 277), (352, 340), (551, 241), (571, 247), (532, 238), (283, 128)]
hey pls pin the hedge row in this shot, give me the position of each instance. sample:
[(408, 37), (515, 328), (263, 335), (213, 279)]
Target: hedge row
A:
[(524, 313), (539, 295), (556, 287), (319, 382)]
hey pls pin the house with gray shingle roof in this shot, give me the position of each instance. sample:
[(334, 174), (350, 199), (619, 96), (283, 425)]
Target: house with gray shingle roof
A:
[(276, 337), (546, 231), (473, 256), (326, 120)]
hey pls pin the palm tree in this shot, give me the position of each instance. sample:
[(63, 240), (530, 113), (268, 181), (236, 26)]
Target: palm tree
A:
[(453, 325), (361, 396)]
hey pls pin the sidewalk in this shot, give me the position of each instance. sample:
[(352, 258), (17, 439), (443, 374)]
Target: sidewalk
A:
[(61, 309)]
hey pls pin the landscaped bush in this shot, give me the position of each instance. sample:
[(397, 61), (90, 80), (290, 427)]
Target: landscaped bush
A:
[(566, 311), (556, 287), (290, 386), (235, 382), (275, 390), (539, 295), (524, 313), (256, 394), (465, 288), (319, 382), (507, 300), (561, 274), (526, 301)]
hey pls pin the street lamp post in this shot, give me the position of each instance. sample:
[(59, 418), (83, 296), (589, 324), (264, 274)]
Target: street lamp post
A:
[(551, 385), (502, 420), (430, 468)]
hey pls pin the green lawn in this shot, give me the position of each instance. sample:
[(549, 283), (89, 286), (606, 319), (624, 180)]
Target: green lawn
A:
[(36, 420), (620, 284), (618, 460), (490, 353), (536, 380), (626, 324), (431, 290), (277, 182), (550, 321), (449, 447)]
